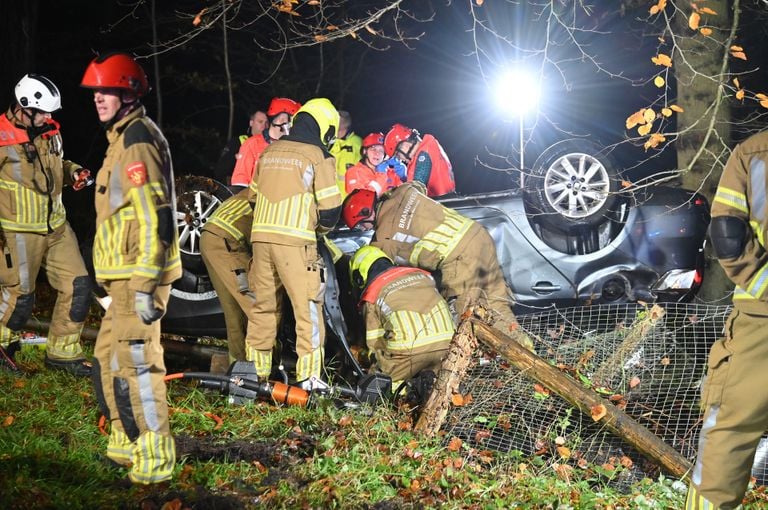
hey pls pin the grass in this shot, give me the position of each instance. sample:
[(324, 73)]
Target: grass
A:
[(51, 456)]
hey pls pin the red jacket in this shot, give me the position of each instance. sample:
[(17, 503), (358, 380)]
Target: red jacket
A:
[(441, 175), (361, 176), (247, 158)]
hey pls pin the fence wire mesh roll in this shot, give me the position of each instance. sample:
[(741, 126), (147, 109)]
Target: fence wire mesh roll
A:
[(651, 368)]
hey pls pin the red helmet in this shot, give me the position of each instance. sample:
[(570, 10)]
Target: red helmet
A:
[(115, 71), (358, 206), (280, 105), (373, 139), (397, 133)]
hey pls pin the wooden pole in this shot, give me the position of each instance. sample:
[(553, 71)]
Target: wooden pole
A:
[(583, 398)]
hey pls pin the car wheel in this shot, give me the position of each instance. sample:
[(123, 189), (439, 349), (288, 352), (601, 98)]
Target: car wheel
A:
[(196, 200), (573, 184)]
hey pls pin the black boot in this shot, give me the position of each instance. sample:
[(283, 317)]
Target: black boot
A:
[(76, 367), (8, 357)]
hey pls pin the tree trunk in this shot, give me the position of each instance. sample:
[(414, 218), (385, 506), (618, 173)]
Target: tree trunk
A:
[(156, 63), (701, 66), (227, 72)]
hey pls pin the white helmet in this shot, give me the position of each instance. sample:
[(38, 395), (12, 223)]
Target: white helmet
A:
[(37, 91)]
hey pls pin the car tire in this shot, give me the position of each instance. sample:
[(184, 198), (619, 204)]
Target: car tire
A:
[(196, 200), (573, 184)]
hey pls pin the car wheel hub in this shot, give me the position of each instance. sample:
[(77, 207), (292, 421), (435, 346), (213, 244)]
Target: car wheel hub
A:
[(577, 185), (200, 206)]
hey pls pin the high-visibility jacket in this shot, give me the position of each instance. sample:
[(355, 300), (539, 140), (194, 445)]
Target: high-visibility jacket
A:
[(742, 193), (232, 219), (32, 174), (294, 185), (404, 313), (361, 176), (416, 231), (248, 157), (347, 152), (430, 155), (136, 236)]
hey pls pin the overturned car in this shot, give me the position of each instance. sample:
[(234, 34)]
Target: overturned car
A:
[(572, 236)]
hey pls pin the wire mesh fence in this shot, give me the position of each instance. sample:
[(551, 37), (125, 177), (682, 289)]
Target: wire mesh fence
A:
[(649, 364)]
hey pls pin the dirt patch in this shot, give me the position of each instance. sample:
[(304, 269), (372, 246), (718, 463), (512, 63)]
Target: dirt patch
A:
[(279, 453)]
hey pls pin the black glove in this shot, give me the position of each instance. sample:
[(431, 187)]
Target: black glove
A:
[(145, 308)]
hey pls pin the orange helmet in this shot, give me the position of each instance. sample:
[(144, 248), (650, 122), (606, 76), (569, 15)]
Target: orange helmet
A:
[(280, 105), (358, 206), (116, 71), (397, 133), (373, 139)]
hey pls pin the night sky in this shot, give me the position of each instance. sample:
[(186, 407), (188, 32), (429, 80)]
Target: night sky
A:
[(435, 87)]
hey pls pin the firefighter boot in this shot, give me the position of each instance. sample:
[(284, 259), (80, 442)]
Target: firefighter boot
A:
[(76, 367)]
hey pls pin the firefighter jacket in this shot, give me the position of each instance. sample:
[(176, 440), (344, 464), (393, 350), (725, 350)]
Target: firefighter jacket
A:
[(347, 152), (232, 220), (294, 194), (416, 231), (431, 166), (248, 157), (361, 176), (742, 193), (136, 237), (32, 174), (404, 312)]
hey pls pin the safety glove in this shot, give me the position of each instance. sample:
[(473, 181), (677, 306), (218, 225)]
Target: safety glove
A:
[(145, 308), (396, 165), (82, 178)]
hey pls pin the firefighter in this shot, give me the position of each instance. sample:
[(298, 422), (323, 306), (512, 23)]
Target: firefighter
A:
[(365, 174), (257, 123), (226, 249), (734, 397), (296, 201), (408, 324), (414, 230), (136, 258), (34, 231), (424, 158), (279, 114), (346, 149)]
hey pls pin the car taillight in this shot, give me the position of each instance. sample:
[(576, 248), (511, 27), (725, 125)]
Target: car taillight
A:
[(697, 278), (677, 279), (699, 201)]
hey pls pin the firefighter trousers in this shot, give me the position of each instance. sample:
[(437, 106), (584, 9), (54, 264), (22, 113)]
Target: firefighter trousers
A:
[(129, 380), (24, 254), (301, 272), (224, 259), (735, 400), (472, 275)]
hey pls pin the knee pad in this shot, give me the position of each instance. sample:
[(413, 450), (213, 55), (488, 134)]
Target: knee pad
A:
[(21, 312), (124, 408), (99, 389), (729, 236), (165, 224), (81, 298)]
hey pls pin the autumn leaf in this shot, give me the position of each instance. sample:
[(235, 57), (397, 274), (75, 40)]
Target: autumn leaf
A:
[(626, 462), (598, 412), (634, 382), (563, 471), (706, 32), (736, 83), (313, 2), (370, 30), (479, 2), (659, 81), (481, 435), (635, 119), (559, 440), (331, 28), (675, 108), (740, 94), (666, 112), (8, 421), (764, 103), (662, 60), (707, 10), (199, 17), (644, 129), (654, 10), (649, 115), (457, 399), (736, 48), (321, 38), (665, 361), (693, 20), (739, 54), (345, 420), (454, 444), (564, 452), (654, 140), (175, 504), (20, 384)]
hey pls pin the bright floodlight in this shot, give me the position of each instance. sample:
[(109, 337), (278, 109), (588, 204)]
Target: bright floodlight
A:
[(517, 92)]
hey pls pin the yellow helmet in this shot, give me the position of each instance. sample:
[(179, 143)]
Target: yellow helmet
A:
[(326, 116), (361, 263)]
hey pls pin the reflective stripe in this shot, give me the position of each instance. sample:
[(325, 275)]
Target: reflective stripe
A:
[(290, 217), (309, 365), (262, 361), (326, 193), (444, 238), (757, 195), (413, 330), (22, 264), (709, 423), (732, 198), (32, 208), (229, 213), (758, 283), (153, 456), (119, 447), (65, 347), (144, 381)]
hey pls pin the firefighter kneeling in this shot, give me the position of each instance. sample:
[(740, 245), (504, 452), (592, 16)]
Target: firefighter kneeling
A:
[(408, 324)]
